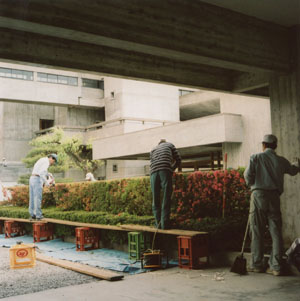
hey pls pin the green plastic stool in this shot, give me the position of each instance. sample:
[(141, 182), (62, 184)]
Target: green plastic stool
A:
[(137, 243)]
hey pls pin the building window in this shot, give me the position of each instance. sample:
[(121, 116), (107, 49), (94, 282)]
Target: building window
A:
[(115, 168), (46, 124), (57, 79), (185, 92), (93, 83), (16, 74)]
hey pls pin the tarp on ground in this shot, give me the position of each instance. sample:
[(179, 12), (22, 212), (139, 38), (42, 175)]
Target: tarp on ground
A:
[(103, 258)]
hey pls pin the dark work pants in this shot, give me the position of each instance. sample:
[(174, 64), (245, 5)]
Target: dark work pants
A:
[(161, 179)]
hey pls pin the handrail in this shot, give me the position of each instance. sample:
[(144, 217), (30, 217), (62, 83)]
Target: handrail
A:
[(102, 124)]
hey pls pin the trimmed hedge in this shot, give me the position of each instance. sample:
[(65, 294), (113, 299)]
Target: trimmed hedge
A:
[(197, 204), (196, 195)]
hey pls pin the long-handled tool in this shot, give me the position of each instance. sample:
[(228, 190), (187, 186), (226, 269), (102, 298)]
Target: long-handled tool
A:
[(240, 263)]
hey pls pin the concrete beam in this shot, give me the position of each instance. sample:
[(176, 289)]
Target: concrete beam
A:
[(39, 49), (250, 81), (175, 35)]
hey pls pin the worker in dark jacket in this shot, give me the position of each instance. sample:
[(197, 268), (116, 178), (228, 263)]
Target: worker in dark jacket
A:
[(265, 175), (164, 159)]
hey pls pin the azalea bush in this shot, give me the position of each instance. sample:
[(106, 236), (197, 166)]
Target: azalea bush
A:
[(195, 196), (204, 194)]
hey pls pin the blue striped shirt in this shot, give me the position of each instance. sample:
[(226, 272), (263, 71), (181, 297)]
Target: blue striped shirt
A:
[(164, 156)]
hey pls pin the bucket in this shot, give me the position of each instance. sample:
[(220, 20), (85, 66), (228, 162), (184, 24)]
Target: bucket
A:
[(22, 256), (152, 259)]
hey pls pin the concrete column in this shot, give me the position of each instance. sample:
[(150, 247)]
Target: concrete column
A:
[(285, 117), (1, 130)]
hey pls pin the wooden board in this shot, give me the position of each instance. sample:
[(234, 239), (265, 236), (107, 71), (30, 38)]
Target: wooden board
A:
[(80, 268), (170, 231), (21, 220), (79, 224), (125, 227)]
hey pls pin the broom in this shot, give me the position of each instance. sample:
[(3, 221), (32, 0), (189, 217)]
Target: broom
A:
[(240, 263)]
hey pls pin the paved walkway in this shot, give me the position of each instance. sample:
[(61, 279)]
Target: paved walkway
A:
[(179, 284)]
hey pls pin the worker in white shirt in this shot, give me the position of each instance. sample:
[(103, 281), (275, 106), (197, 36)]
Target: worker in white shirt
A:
[(37, 180), (90, 177)]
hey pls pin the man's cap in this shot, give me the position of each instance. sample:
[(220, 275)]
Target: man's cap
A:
[(270, 139), (54, 156)]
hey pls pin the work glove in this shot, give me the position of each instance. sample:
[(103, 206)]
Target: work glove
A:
[(297, 163)]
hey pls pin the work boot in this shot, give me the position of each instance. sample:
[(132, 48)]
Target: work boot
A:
[(273, 272), (32, 218), (255, 270)]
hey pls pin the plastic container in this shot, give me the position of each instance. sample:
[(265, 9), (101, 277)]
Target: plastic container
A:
[(22, 256)]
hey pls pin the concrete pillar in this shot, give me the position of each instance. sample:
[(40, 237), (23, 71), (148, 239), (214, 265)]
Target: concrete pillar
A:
[(285, 117), (1, 130)]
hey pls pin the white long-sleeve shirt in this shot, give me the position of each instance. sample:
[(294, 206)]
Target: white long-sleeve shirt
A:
[(40, 168)]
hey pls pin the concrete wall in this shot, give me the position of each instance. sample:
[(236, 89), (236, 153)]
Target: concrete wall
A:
[(21, 121), (1, 131), (285, 112), (139, 99), (126, 168), (49, 93), (256, 122)]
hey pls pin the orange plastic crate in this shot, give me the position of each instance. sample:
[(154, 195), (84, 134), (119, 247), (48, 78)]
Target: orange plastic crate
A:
[(13, 228), (86, 238), (42, 232), (191, 250)]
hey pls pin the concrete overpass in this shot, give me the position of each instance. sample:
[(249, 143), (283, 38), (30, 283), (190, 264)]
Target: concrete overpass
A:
[(179, 41), (250, 48)]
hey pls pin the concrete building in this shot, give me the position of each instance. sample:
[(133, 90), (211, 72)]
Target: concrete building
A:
[(125, 119), (33, 99), (214, 124)]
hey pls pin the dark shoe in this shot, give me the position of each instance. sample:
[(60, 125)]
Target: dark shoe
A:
[(32, 218), (39, 218)]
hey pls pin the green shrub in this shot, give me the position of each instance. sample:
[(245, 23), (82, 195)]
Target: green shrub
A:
[(195, 195)]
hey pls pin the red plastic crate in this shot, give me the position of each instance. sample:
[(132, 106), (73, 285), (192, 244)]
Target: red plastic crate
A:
[(191, 250), (42, 232), (12, 227), (86, 238)]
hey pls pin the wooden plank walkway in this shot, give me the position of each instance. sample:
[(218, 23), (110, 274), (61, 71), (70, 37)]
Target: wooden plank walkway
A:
[(125, 227), (81, 268), (21, 220)]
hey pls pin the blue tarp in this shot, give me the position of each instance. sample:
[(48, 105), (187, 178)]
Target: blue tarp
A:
[(103, 258)]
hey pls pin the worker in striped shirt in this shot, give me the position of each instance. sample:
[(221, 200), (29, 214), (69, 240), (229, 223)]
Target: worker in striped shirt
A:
[(164, 159)]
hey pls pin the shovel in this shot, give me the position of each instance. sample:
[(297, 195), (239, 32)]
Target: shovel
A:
[(240, 263)]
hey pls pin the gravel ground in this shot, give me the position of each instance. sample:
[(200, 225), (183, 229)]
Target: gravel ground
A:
[(43, 276)]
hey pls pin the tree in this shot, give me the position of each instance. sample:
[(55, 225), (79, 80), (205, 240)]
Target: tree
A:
[(71, 151)]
